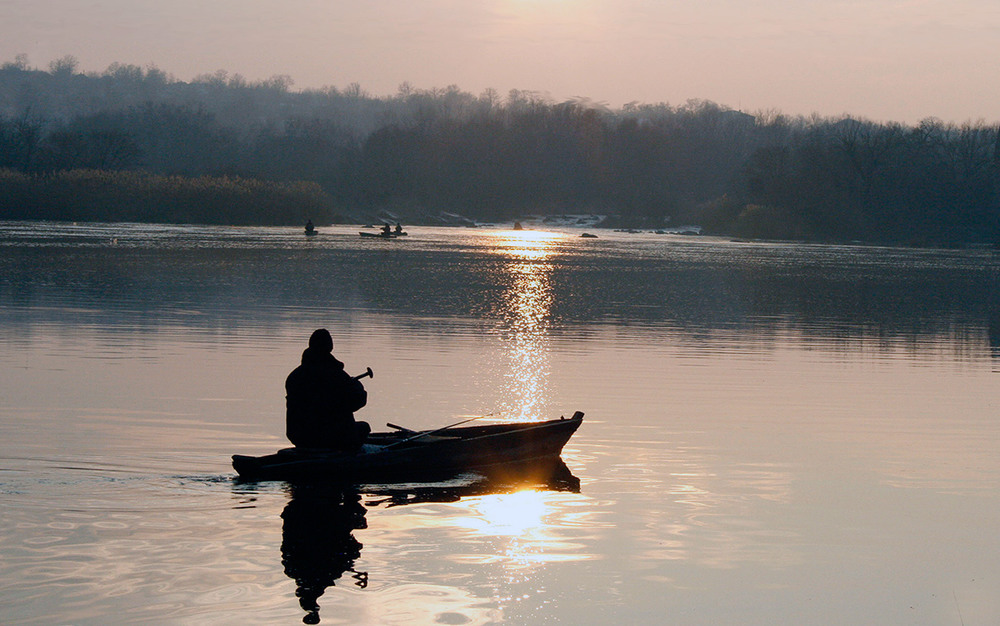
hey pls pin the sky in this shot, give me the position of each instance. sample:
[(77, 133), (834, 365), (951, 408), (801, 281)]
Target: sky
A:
[(885, 60)]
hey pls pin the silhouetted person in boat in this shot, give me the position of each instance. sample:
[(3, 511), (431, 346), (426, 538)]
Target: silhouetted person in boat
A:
[(309, 226), (399, 228), (317, 544), (321, 400), (386, 230)]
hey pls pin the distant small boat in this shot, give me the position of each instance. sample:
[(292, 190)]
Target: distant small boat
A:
[(380, 235), (589, 236), (311, 233)]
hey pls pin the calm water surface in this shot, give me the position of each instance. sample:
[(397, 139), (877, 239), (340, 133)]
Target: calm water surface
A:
[(775, 433)]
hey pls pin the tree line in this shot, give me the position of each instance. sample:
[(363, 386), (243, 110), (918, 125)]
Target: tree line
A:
[(345, 155)]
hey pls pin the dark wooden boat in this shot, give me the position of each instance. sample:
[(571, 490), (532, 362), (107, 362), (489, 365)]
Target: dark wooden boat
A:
[(379, 235), (407, 456)]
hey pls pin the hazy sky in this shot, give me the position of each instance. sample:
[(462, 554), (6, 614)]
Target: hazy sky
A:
[(899, 60)]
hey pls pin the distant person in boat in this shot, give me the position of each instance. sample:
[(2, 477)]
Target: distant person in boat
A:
[(321, 400), (309, 226), (386, 230), (399, 228)]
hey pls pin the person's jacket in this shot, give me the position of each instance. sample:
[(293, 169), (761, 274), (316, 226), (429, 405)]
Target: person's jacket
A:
[(320, 401)]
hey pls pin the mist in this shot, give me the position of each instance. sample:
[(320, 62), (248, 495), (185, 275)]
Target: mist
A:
[(420, 152)]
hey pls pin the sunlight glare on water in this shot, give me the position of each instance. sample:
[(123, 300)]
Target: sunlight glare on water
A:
[(526, 308)]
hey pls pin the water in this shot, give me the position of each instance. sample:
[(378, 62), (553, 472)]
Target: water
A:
[(775, 433)]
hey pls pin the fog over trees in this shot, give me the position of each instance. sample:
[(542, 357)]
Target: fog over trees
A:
[(146, 146)]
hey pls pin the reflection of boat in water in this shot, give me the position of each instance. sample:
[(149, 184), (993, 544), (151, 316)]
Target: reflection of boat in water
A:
[(552, 476), (318, 546), (409, 455)]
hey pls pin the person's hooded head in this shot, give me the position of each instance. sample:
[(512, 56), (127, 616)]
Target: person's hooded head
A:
[(321, 341)]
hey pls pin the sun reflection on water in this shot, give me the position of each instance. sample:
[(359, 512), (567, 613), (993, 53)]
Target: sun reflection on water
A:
[(525, 312), (522, 528), (509, 538), (525, 244), (509, 514)]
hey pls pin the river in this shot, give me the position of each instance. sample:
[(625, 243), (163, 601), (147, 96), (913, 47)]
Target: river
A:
[(774, 432)]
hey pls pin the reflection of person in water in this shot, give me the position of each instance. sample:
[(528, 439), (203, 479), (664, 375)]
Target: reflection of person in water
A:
[(317, 544)]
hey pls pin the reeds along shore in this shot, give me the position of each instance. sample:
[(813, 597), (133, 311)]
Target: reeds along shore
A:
[(93, 195)]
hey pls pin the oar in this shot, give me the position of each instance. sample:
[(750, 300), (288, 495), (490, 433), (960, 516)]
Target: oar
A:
[(402, 428), (368, 373), (434, 432)]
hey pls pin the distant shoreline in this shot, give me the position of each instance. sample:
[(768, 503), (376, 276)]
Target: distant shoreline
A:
[(130, 144)]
